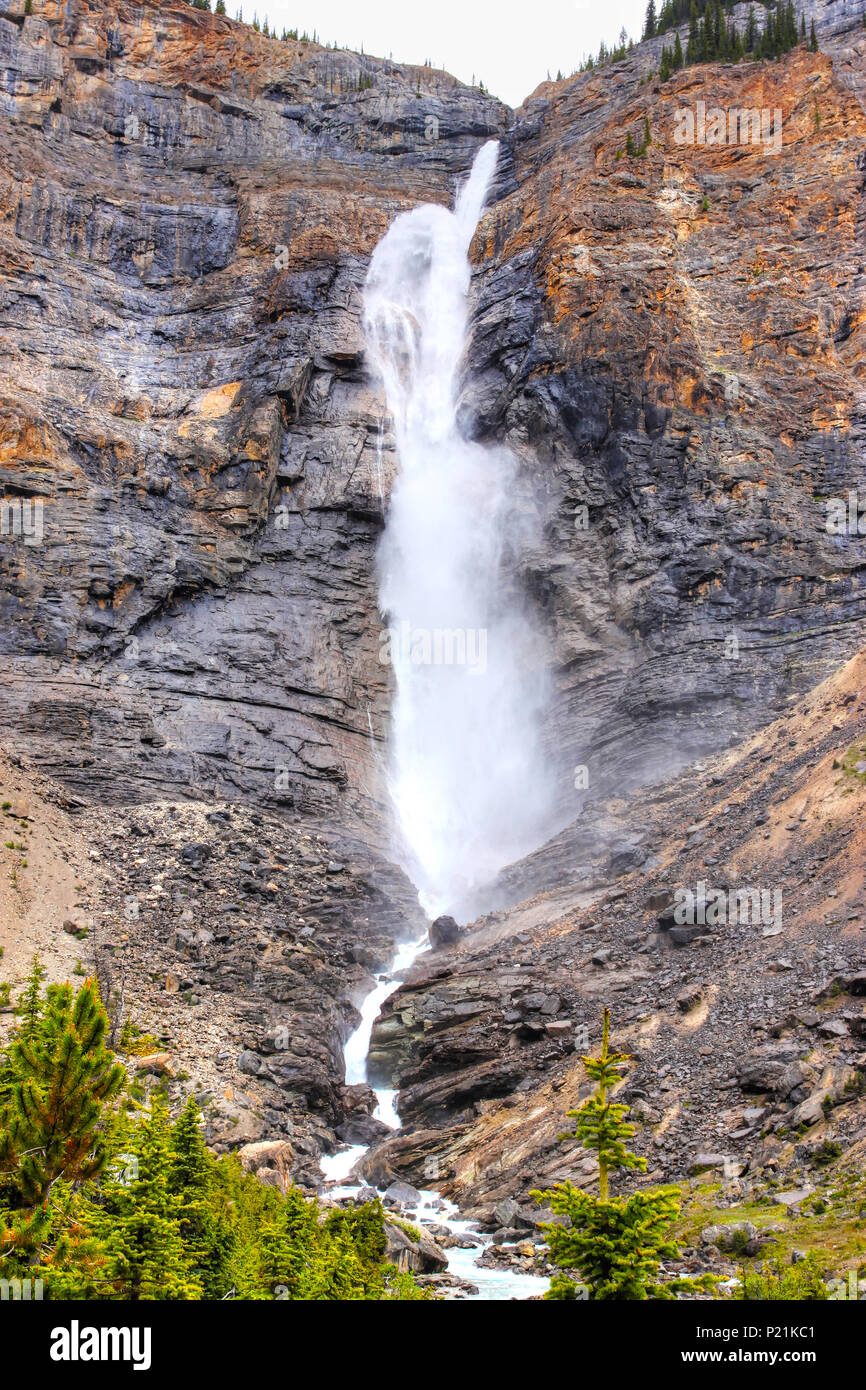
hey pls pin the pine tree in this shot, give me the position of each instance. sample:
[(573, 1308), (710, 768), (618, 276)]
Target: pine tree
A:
[(290, 1241), (678, 54), (62, 1077), (813, 39), (139, 1216), (209, 1240), (790, 25), (615, 1243), (649, 27), (29, 1008), (693, 43)]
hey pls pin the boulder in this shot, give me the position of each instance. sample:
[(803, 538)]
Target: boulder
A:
[(421, 1256), (689, 998), (155, 1064), (194, 855), (833, 1028), (505, 1211), (702, 1161), (271, 1162), (767, 1068), (660, 900), (250, 1063), (359, 1099), (401, 1194), (684, 936), (362, 1129), (443, 932), (734, 1235)]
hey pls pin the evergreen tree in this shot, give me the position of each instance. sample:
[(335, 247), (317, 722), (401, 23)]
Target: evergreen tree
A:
[(649, 27), (813, 39), (29, 1008), (139, 1215), (693, 44), (97, 1202), (677, 60), (62, 1076), (209, 1240), (718, 27), (615, 1243), (291, 1245), (790, 26)]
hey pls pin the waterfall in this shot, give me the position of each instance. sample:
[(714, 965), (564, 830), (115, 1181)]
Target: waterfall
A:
[(466, 776), (467, 779)]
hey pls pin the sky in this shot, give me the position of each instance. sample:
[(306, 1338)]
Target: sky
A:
[(511, 47)]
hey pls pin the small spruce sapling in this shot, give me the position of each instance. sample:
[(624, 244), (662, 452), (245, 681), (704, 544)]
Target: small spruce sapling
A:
[(616, 1243)]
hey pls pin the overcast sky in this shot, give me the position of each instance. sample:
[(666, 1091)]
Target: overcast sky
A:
[(510, 46)]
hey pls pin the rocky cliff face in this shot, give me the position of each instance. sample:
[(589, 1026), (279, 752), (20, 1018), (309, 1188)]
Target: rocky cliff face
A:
[(187, 214), (674, 343), (671, 343)]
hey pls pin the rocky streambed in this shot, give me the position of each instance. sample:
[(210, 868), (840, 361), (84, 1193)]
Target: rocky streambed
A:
[(427, 1235)]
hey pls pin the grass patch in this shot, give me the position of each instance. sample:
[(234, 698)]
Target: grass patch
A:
[(830, 1225), (850, 761)]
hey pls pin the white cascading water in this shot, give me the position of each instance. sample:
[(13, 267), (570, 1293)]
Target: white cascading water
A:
[(467, 779)]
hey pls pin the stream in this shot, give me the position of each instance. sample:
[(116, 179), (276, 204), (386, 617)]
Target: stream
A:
[(433, 1209)]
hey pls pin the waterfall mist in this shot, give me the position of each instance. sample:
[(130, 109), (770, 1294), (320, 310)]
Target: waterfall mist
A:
[(469, 785)]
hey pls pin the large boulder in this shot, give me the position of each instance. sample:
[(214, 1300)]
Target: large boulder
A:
[(270, 1161), (443, 932), (401, 1194), (362, 1129), (774, 1068), (734, 1235), (421, 1255)]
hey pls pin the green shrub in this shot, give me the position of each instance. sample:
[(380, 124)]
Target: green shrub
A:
[(777, 1281)]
